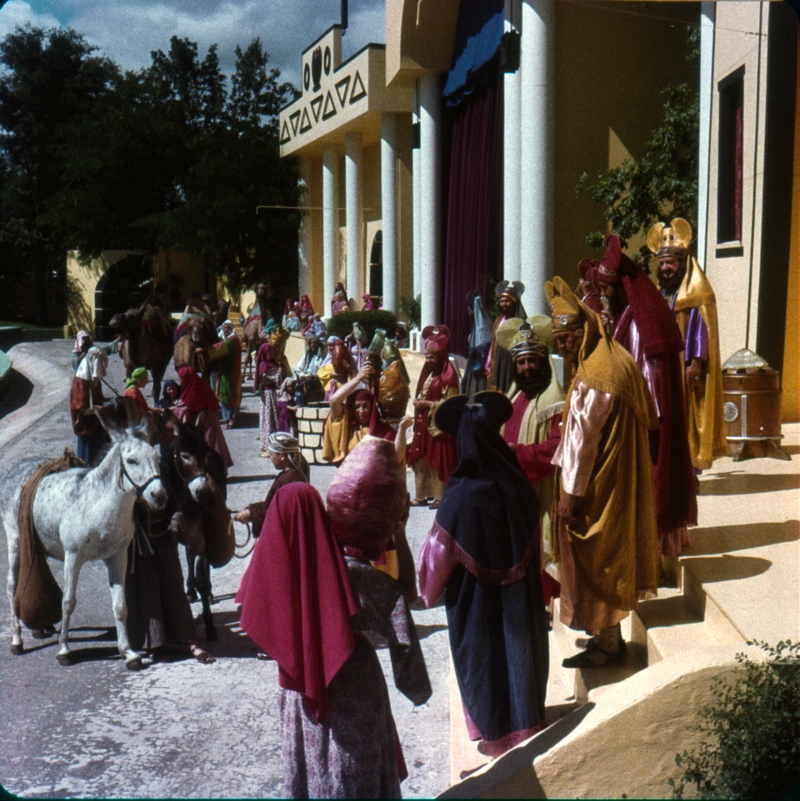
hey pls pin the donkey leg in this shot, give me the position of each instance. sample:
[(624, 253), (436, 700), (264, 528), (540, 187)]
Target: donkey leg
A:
[(11, 588), (72, 570), (117, 566)]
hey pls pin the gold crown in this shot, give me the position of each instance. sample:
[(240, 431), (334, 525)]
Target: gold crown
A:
[(664, 240), (564, 306), (526, 336)]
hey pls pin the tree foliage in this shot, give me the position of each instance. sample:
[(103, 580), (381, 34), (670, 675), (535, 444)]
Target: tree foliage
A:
[(174, 156), (751, 733), (662, 184)]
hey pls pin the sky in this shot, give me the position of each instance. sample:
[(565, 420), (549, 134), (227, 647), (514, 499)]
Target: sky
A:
[(128, 30)]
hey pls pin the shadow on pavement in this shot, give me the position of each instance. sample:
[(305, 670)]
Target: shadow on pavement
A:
[(17, 394)]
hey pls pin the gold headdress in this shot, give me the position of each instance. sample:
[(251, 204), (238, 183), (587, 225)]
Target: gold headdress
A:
[(565, 308), (672, 241), (526, 336)]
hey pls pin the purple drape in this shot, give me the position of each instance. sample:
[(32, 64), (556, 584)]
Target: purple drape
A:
[(474, 207)]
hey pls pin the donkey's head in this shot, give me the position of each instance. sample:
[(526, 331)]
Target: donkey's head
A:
[(138, 459), (191, 451)]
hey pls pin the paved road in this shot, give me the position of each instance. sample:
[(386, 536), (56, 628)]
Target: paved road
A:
[(172, 730)]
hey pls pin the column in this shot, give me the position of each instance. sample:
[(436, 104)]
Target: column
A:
[(389, 209), (512, 146), (416, 177), (707, 17), (537, 120), (430, 111), (355, 216), (305, 235), (330, 223)]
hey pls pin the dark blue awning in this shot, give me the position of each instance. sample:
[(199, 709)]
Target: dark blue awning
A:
[(478, 35)]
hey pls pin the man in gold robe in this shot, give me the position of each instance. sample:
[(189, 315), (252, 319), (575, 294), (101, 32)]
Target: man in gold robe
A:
[(689, 294), (606, 518)]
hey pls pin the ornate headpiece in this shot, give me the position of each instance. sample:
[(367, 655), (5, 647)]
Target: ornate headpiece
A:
[(512, 289), (436, 337), (565, 308), (672, 241), (278, 336), (521, 337)]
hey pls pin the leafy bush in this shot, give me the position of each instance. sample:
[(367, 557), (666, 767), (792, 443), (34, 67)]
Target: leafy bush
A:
[(411, 308), (340, 325), (751, 747)]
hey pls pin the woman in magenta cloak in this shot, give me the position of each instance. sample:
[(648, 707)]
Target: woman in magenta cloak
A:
[(197, 395), (483, 553), (339, 737)]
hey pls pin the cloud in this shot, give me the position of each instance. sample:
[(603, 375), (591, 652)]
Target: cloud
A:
[(128, 30), (19, 13)]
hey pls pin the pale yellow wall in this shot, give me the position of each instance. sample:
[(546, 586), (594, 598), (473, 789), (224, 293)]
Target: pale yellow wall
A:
[(610, 64), (732, 275), (790, 379)]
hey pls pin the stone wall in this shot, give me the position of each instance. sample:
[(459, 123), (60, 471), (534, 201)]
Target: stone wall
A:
[(310, 422)]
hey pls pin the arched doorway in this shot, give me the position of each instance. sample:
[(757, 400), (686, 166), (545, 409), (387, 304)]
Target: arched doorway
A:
[(124, 285)]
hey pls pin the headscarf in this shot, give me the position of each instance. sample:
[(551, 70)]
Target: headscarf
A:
[(296, 596), (369, 303), (367, 498), (136, 375), (488, 493), (80, 341), (265, 362), (196, 394), (93, 365), (283, 442), (377, 427)]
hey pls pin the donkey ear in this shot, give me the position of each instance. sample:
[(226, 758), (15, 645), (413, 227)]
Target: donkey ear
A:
[(112, 428), (174, 421), (200, 421), (146, 429)]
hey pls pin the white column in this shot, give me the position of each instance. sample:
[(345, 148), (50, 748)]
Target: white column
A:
[(430, 111), (537, 120), (708, 14), (330, 223), (416, 177), (355, 216), (389, 209), (304, 239), (512, 147)]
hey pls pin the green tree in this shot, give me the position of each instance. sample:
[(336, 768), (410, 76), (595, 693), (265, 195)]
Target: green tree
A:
[(49, 79), (662, 184)]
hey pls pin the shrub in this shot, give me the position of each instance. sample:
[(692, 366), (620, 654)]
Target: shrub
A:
[(752, 732)]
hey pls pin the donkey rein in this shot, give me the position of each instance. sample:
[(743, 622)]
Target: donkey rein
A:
[(243, 544)]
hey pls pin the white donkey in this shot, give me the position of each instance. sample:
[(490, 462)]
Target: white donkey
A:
[(87, 513)]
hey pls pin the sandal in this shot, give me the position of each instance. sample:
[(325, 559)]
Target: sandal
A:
[(594, 656), (202, 656), (434, 505), (419, 502)]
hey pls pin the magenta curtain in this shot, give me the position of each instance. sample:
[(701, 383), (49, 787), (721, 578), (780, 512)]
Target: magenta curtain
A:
[(473, 243)]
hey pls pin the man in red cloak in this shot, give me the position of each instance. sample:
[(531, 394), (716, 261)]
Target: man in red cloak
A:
[(644, 325), (432, 453)]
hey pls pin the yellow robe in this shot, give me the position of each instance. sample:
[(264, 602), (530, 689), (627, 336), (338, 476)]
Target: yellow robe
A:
[(605, 460), (704, 416)]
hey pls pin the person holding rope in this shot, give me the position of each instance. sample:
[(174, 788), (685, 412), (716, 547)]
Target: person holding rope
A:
[(284, 453)]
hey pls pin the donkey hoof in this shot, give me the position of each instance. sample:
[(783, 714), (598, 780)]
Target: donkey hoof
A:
[(64, 659), (134, 664), (17, 648), (191, 596), (44, 633)]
